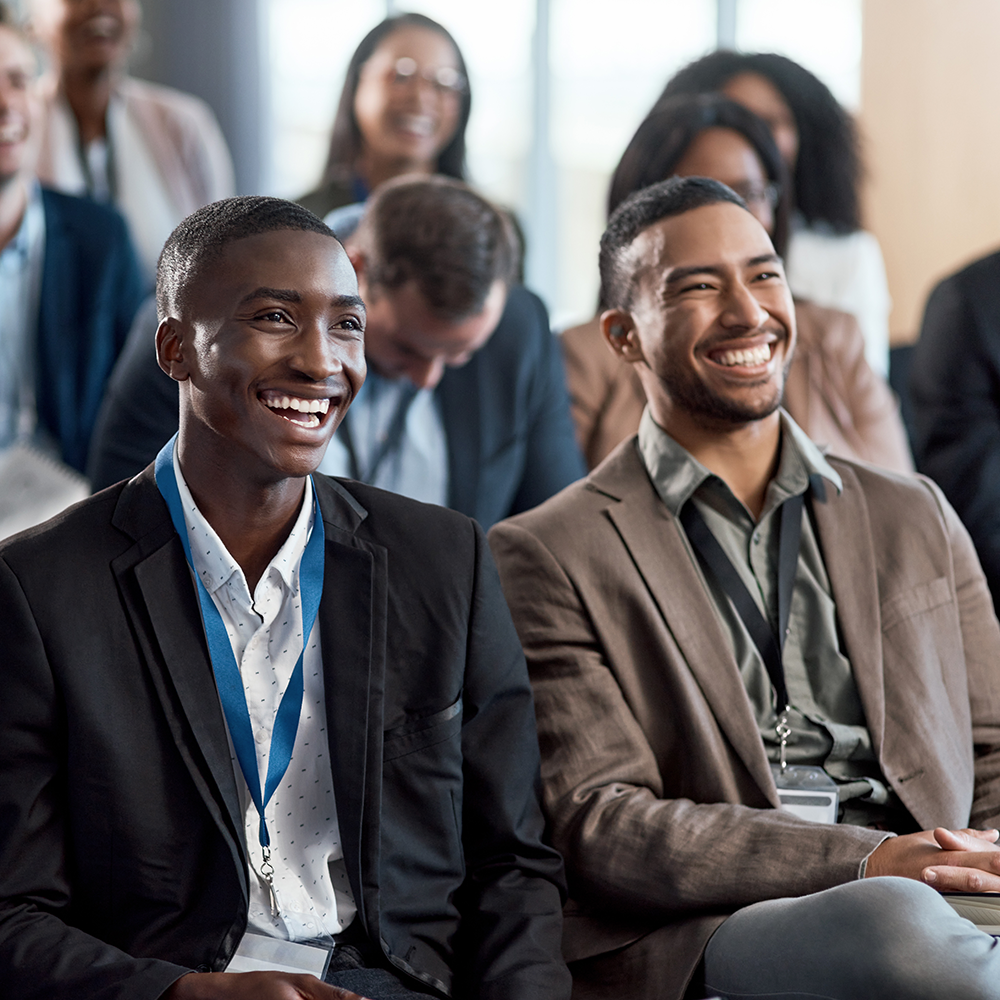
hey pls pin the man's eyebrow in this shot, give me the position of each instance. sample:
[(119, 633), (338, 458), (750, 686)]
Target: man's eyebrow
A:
[(679, 274), (683, 273), (764, 258), (290, 295), (350, 302), (281, 294)]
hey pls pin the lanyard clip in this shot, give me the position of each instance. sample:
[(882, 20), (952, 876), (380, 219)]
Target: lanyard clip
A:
[(783, 730)]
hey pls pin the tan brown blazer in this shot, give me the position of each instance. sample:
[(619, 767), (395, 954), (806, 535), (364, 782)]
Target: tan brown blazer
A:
[(831, 392), (656, 783)]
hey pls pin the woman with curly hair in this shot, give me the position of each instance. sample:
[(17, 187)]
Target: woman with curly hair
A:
[(831, 259)]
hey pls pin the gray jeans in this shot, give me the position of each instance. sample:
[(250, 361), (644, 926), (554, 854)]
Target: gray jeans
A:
[(879, 938)]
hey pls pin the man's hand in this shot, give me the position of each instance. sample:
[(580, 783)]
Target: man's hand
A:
[(254, 986), (955, 860)]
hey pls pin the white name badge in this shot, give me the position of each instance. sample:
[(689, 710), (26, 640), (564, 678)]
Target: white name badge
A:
[(258, 953), (807, 792)]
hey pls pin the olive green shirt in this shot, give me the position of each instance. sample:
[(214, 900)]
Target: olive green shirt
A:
[(826, 718)]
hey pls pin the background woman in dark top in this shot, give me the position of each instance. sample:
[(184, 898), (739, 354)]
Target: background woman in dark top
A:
[(831, 260), (403, 109)]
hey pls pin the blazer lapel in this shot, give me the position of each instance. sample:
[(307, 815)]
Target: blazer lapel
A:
[(353, 622), (669, 573), (845, 540), (458, 396), (156, 586)]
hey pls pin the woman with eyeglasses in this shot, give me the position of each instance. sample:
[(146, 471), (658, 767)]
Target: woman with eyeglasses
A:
[(831, 259), (830, 391), (403, 109)]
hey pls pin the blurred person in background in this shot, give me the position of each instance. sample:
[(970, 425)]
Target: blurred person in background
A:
[(155, 153), (403, 110), (955, 387), (831, 260), (69, 283), (830, 391)]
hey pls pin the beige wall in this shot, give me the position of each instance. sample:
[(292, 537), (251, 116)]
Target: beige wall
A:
[(930, 115)]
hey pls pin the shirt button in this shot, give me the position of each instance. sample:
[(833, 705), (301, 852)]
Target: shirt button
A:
[(260, 737), (756, 538)]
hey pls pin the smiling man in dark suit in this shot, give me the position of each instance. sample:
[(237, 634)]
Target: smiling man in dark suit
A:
[(245, 706)]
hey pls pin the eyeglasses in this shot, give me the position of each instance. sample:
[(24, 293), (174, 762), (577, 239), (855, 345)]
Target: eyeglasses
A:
[(445, 79), (758, 194)]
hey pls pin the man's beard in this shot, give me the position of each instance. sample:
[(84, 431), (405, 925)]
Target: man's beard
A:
[(694, 397)]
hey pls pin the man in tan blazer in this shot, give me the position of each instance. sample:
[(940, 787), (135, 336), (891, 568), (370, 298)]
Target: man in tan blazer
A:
[(659, 725)]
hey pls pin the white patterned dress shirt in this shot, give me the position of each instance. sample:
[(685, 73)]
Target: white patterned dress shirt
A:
[(265, 630)]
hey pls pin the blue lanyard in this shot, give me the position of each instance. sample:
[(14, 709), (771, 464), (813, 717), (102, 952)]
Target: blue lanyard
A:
[(227, 673)]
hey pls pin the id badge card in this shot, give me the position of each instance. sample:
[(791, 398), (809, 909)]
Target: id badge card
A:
[(807, 792), (259, 953)]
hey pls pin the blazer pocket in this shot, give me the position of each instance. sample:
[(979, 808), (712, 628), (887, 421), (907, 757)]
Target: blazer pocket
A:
[(915, 601), (419, 733)]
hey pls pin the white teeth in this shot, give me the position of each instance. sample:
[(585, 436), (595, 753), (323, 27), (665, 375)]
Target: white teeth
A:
[(418, 124), (14, 130), (102, 26), (752, 356), (299, 405)]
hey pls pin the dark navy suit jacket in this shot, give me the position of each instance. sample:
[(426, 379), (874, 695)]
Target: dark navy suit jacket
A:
[(91, 288), (955, 388), (511, 442)]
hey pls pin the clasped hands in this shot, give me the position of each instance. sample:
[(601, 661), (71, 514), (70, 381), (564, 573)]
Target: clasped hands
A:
[(950, 860)]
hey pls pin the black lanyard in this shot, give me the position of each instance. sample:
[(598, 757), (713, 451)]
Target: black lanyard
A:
[(716, 565), (389, 445)]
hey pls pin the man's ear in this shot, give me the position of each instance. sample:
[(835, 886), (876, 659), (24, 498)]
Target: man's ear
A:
[(618, 329), (360, 264), (170, 349)]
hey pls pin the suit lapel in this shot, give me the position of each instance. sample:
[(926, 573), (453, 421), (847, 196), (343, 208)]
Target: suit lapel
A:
[(845, 540), (156, 586), (458, 395), (673, 582), (352, 622)]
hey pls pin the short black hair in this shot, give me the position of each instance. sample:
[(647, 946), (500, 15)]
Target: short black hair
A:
[(203, 235), (663, 138), (828, 169), (674, 196), (442, 235), (346, 142)]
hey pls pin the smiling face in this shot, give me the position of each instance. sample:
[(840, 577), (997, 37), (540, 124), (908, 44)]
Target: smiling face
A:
[(87, 35), (269, 349), (18, 105), (406, 338), (711, 318), (724, 155), (408, 99)]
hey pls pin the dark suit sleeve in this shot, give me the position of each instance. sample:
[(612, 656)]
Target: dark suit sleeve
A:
[(955, 383), (139, 413), (553, 458), (41, 954), (512, 898)]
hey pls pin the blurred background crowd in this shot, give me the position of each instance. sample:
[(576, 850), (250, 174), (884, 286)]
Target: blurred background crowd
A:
[(856, 130)]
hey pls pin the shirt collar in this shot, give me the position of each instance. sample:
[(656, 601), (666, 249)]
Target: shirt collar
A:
[(212, 560), (32, 224), (677, 474)]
